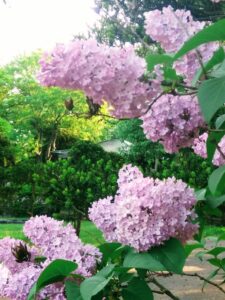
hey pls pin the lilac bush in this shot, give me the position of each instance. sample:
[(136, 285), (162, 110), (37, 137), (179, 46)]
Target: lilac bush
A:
[(174, 121), (98, 70), (146, 212), (172, 28), (49, 239)]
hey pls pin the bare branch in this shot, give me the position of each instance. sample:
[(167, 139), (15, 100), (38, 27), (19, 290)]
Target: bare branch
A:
[(206, 280), (163, 289)]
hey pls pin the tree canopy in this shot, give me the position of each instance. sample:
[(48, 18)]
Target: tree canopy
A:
[(123, 20), (38, 117)]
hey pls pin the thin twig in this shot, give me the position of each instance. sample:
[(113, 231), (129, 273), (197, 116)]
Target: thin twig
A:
[(186, 86), (206, 280), (158, 292), (112, 117), (216, 130), (164, 289), (183, 94), (154, 101)]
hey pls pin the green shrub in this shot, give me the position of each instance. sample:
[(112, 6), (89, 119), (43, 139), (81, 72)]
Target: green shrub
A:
[(155, 162), (66, 188)]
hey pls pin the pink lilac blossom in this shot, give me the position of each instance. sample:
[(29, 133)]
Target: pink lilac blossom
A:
[(19, 284), (105, 73), (172, 28), (58, 241), (146, 212), (105, 218), (199, 147), (51, 239), (174, 121), (7, 258)]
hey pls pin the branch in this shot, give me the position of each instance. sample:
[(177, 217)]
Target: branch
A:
[(112, 117), (183, 94), (216, 130), (186, 86), (206, 280), (163, 289), (153, 102), (158, 292)]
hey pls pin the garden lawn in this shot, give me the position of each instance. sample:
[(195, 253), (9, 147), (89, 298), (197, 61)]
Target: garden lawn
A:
[(89, 233)]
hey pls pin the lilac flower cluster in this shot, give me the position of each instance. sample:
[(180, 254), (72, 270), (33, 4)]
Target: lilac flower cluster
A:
[(199, 147), (174, 121), (146, 212), (50, 239), (105, 73), (172, 29)]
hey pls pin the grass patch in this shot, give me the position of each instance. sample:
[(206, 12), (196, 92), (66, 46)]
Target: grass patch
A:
[(12, 230), (89, 233)]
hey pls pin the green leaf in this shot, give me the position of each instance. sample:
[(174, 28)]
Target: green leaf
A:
[(190, 247), (142, 261), (106, 271), (126, 277), (216, 59), (212, 33), (211, 276), (168, 257), (220, 122), (171, 255), (200, 194), (137, 289), (112, 251), (170, 74), (211, 96), (215, 262), (157, 59), (211, 144), (108, 249), (221, 237), (92, 286), (216, 251), (215, 201), (56, 271), (72, 291), (216, 182), (218, 71)]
